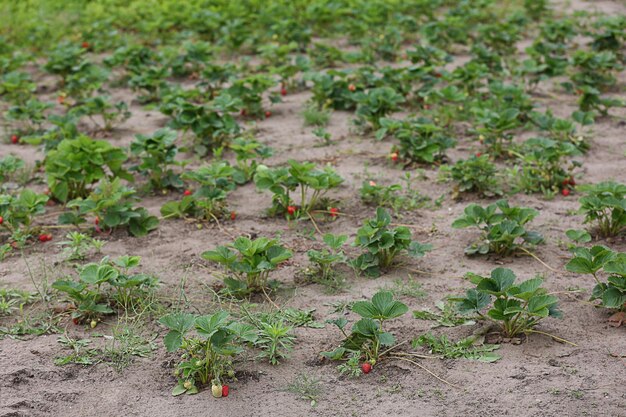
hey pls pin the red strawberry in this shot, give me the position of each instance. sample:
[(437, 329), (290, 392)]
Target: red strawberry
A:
[(85, 45), (394, 157), (187, 192), (334, 211), (565, 192), (1, 219), (75, 321), (366, 368), (478, 154), (233, 215), (437, 75), (572, 181), (43, 238), (15, 139), (283, 91), (352, 87), (224, 390), (268, 113), (291, 210), (97, 221)]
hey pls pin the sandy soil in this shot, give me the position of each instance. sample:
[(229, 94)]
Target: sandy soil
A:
[(539, 377)]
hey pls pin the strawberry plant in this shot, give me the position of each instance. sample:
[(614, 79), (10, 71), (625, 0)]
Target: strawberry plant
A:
[(9, 167), (541, 166), (610, 291), (65, 60), (562, 130), (150, 82), (103, 286), (368, 335), (475, 174), (608, 34), (420, 140), (594, 73), (18, 212), (207, 353), (111, 114), (16, 87), (333, 89), (502, 228), (382, 244), (211, 123), (249, 261), (28, 117), (495, 126), (85, 80), (325, 261), (314, 184), (515, 308), (76, 164), (60, 127), (395, 196), (208, 201), (247, 152), (112, 204), (249, 91), (374, 104), (604, 205), (157, 153), (192, 59)]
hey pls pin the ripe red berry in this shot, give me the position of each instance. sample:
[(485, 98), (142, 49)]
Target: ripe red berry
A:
[(352, 87), (1, 219), (224, 390), (233, 215), (85, 45), (15, 139), (437, 75), (291, 210), (187, 192), (394, 157), (478, 154), (366, 368), (97, 221), (268, 113), (572, 181), (565, 192), (334, 211), (75, 321), (44, 237), (283, 91)]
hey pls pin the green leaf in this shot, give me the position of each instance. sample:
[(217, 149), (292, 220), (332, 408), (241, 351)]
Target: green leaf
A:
[(473, 302), (178, 390), (579, 235)]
